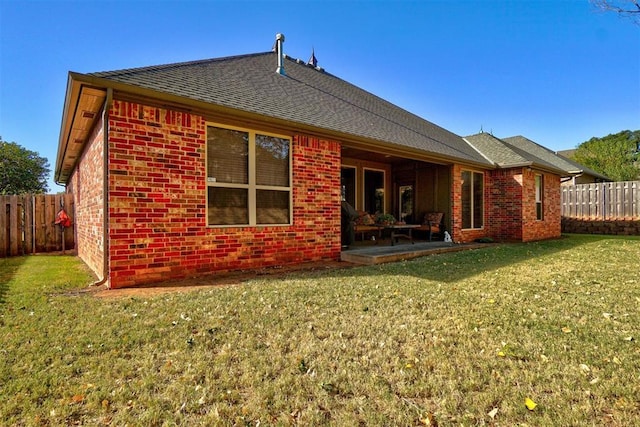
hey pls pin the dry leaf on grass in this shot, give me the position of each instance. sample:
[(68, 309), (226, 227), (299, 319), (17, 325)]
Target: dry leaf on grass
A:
[(492, 413)]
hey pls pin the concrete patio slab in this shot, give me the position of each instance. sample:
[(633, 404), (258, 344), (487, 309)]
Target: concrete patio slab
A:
[(370, 255)]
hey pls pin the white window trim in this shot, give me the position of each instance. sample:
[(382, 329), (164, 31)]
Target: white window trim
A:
[(251, 186), (384, 186), (355, 175), (539, 190)]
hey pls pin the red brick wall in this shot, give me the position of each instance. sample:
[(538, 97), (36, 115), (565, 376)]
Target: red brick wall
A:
[(551, 224), (504, 204), (157, 203), (510, 209), (87, 184)]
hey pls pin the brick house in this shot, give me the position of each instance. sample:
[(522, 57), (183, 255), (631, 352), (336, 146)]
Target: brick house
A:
[(241, 162)]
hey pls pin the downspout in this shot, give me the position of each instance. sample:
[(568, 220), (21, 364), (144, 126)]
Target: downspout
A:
[(105, 188)]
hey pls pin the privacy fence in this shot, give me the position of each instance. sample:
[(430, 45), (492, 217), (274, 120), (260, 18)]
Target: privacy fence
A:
[(28, 224), (602, 208)]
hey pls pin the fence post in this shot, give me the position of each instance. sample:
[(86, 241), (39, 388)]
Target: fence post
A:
[(603, 201)]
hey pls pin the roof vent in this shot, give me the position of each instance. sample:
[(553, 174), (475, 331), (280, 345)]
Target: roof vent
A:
[(280, 55), (313, 61)]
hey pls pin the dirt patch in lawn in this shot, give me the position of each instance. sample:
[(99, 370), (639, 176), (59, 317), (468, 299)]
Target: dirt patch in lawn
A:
[(213, 280)]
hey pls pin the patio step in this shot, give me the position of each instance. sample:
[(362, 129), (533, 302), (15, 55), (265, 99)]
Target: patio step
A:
[(371, 255)]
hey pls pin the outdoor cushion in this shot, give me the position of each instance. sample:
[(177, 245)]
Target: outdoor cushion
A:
[(432, 224), (433, 217)]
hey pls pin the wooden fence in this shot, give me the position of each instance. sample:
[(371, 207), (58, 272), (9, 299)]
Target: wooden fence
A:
[(602, 201), (27, 224)]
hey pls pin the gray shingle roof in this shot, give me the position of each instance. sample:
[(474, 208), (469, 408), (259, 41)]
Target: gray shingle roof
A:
[(519, 151), (305, 95), (496, 150), (543, 154)]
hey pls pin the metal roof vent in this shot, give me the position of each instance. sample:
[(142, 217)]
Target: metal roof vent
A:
[(280, 55), (313, 61)]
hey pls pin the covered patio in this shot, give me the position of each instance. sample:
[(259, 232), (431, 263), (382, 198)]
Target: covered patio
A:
[(382, 182)]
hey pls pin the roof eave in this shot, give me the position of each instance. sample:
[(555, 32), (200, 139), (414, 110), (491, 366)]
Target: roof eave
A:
[(82, 105), (71, 94), (515, 165), (534, 165)]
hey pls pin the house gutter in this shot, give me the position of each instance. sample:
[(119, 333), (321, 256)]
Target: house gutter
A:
[(105, 188)]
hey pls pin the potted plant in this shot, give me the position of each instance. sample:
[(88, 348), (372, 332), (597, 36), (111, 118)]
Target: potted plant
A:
[(385, 219)]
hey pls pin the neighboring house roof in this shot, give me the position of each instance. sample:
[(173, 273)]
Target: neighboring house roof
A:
[(567, 154), (307, 97), (517, 152)]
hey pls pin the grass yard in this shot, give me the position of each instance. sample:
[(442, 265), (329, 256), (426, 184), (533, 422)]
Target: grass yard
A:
[(452, 339)]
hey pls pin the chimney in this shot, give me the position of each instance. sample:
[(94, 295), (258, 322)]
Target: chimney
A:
[(280, 54)]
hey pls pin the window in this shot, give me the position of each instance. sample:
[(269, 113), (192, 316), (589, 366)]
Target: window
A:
[(248, 177), (539, 192), (373, 191), (472, 199), (405, 203), (348, 181)]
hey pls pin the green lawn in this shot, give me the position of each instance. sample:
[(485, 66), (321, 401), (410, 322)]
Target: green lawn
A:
[(452, 339)]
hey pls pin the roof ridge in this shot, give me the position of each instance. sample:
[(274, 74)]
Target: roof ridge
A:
[(464, 138), (496, 140), (529, 140), (159, 67)]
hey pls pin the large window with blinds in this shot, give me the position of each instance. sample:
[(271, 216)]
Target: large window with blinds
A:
[(472, 199), (248, 177)]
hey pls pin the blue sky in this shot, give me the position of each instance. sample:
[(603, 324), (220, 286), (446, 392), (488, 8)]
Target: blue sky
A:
[(557, 72)]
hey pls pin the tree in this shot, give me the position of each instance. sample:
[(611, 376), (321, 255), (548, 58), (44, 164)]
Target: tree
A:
[(616, 155), (625, 8), (21, 170)]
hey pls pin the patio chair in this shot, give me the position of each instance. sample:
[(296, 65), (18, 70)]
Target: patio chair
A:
[(433, 224)]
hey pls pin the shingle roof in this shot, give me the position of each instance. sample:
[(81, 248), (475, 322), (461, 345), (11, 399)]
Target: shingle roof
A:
[(496, 150), (519, 151), (306, 95), (537, 151)]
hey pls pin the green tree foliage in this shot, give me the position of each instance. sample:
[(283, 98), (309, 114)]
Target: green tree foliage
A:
[(21, 170), (614, 155)]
